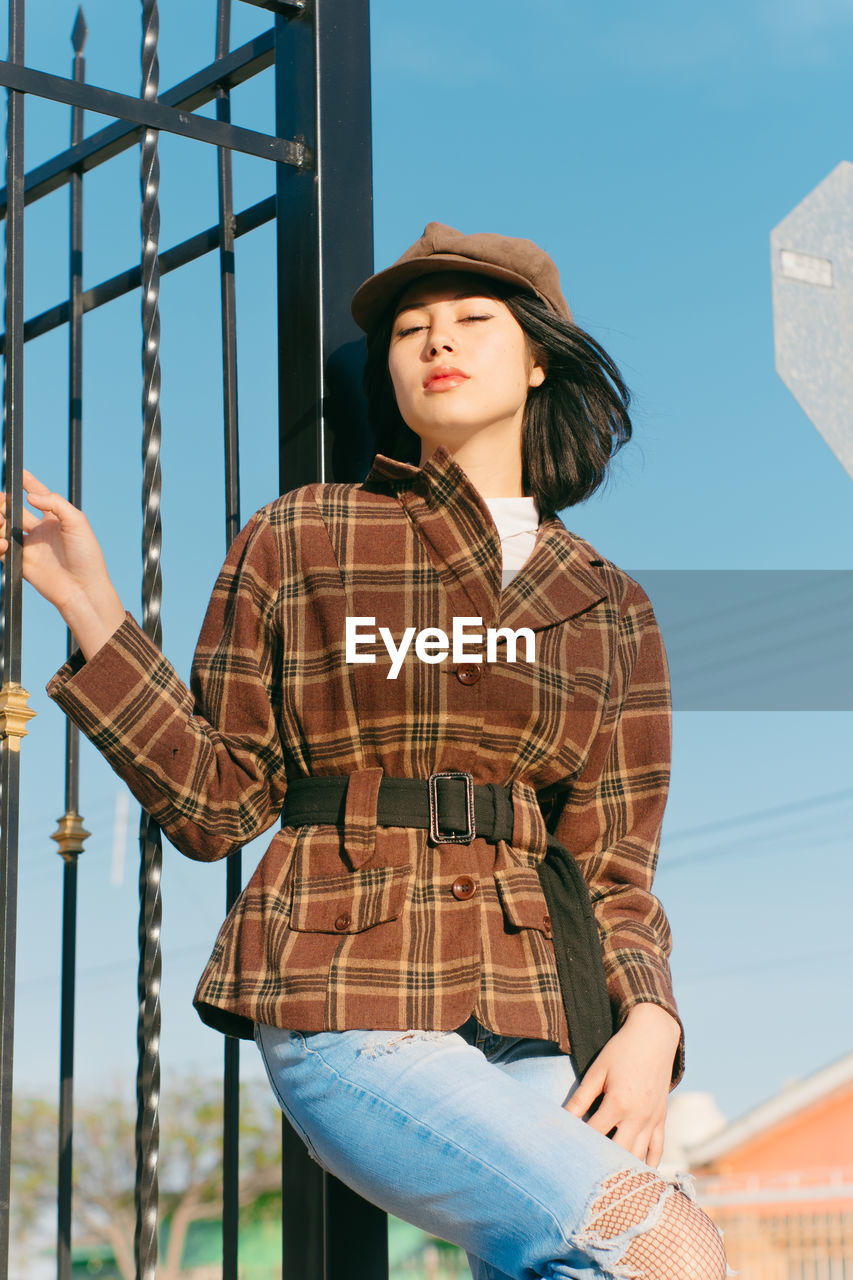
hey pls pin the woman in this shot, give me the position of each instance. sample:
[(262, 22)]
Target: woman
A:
[(428, 714)]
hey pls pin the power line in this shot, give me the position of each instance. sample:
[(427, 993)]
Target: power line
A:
[(748, 967), (758, 815)]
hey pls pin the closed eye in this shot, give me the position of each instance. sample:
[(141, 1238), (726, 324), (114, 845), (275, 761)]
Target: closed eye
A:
[(404, 333)]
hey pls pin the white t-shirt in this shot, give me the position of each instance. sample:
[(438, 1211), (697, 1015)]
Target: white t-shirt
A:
[(517, 523)]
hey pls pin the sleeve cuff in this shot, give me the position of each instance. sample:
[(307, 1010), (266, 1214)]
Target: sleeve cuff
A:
[(80, 674), (104, 694)]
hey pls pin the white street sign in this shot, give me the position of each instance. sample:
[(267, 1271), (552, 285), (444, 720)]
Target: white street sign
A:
[(812, 264)]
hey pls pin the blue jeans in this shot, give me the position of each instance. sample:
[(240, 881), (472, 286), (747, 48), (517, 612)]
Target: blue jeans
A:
[(462, 1133)]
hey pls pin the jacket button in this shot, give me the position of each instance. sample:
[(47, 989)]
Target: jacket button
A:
[(468, 674), (463, 887), (342, 923), (546, 926)]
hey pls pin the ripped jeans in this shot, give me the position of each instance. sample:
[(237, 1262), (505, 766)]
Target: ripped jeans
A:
[(463, 1134)]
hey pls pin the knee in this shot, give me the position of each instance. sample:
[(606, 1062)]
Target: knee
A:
[(643, 1227), (692, 1243)]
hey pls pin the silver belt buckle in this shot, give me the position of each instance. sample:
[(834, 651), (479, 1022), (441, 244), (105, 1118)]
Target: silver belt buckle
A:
[(436, 835)]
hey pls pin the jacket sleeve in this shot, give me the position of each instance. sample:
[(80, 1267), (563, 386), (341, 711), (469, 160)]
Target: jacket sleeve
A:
[(206, 761), (613, 812)]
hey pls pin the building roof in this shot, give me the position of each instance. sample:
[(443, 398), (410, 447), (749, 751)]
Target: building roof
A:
[(794, 1097)]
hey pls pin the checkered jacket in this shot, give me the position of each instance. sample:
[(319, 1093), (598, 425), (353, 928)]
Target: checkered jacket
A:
[(358, 925)]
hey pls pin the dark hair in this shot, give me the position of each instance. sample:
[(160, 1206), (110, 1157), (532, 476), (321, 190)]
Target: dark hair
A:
[(573, 425)]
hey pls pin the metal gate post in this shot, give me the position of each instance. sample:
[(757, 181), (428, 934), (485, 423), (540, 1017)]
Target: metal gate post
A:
[(324, 245), (325, 235)]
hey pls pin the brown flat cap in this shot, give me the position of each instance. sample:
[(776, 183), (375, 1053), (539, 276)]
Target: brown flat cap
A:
[(442, 248)]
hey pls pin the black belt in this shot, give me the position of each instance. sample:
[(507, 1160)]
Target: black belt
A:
[(455, 809), (449, 805)]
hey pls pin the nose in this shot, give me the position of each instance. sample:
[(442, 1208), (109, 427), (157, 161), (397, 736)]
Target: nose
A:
[(439, 337)]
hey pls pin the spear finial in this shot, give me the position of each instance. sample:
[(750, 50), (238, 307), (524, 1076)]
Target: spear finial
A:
[(79, 31)]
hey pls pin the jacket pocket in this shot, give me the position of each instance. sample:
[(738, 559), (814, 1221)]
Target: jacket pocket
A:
[(348, 903), (522, 899)]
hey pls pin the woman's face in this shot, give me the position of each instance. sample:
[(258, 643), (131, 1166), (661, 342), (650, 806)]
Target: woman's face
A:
[(459, 362)]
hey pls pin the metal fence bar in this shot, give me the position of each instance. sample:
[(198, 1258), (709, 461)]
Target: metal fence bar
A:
[(12, 695), (128, 281), (151, 849), (300, 375), (324, 241), (351, 1221), (70, 834), (324, 246), (234, 864), (227, 233), (300, 448), (344, 209), (302, 1211), (239, 66), (150, 113)]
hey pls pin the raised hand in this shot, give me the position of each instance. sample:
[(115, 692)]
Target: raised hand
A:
[(63, 560)]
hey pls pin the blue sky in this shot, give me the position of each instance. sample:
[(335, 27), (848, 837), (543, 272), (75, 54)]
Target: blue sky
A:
[(651, 151)]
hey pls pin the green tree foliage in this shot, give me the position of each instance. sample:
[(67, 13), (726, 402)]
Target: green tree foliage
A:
[(190, 1170)]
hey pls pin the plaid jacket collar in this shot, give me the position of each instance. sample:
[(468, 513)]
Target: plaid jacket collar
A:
[(456, 526)]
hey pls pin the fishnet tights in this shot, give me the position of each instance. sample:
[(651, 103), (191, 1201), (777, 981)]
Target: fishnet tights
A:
[(683, 1244)]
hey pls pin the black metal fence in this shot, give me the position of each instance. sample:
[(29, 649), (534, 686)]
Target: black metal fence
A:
[(321, 201)]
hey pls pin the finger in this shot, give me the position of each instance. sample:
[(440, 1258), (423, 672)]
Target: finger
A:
[(623, 1130), (32, 488), (586, 1093), (605, 1118), (633, 1139), (655, 1146), (580, 1102), (35, 491), (32, 484), (54, 504), (28, 520)]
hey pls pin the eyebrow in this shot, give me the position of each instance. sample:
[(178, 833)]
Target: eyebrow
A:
[(466, 293)]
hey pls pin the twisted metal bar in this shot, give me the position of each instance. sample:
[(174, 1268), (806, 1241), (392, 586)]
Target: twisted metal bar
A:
[(150, 184), (151, 853)]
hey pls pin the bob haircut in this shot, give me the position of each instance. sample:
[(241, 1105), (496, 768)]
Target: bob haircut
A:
[(573, 424)]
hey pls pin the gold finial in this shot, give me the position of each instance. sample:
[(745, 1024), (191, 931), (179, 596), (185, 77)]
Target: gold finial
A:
[(14, 714), (70, 835)]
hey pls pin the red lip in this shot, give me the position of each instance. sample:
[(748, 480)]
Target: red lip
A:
[(444, 373)]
